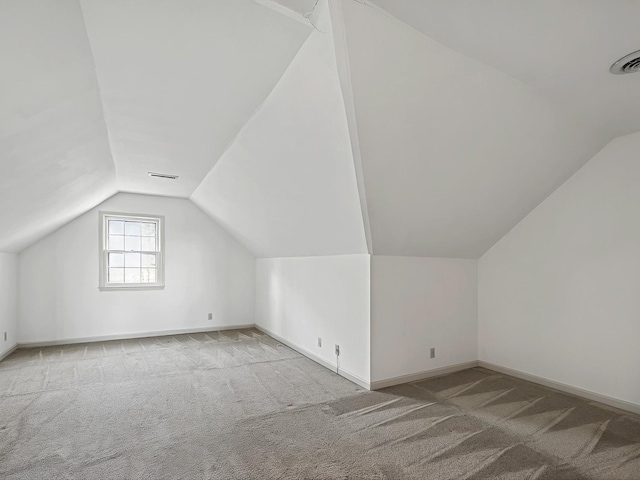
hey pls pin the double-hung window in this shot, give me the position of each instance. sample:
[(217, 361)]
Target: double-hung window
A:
[(131, 251)]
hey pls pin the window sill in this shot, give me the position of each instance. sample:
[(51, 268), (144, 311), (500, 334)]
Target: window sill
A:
[(104, 288)]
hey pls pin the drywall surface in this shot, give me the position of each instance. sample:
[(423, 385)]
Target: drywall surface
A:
[(454, 153), (301, 299), (558, 295), (180, 79), (205, 271), (419, 303), (547, 48), (8, 301), (54, 152), (287, 185)]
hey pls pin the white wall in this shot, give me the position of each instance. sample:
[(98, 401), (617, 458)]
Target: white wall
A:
[(454, 153), (55, 155), (179, 79), (418, 303), (8, 301), (205, 271), (559, 296), (287, 185), (301, 299)]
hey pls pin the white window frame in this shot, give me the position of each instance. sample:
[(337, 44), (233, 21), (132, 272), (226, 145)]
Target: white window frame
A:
[(104, 253)]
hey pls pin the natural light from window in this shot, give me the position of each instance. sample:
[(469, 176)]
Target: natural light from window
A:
[(132, 251)]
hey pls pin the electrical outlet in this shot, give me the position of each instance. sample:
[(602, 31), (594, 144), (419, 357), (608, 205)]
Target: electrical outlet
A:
[(210, 316), (319, 342), (433, 352), (337, 350)]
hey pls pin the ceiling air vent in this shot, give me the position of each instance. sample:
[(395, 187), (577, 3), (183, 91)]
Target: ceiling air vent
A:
[(627, 64), (163, 175)]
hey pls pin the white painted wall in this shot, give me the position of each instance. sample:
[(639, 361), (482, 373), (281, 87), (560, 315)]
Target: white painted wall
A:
[(8, 301), (559, 295), (454, 153), (206, 270), (418, 303), (568, 62), (54, 152), (287, 185), (301, 299), (180, 78)]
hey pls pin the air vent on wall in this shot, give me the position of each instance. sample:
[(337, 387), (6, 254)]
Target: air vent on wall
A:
[(627, 64), (163, 175)]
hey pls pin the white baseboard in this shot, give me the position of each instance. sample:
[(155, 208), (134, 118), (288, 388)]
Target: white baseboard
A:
[(128, 336), (331, 366), (8, 352), (563, 387), (414, 377), (375, 385)]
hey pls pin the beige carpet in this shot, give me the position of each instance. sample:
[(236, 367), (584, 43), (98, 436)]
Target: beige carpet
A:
[(239, 405)]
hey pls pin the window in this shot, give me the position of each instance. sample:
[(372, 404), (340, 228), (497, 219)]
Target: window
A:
[(131, 251)]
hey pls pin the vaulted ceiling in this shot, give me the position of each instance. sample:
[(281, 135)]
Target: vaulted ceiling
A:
[(54, 152), (454, 152), (304, 127), (562, 48), (95, 94), (287, 186), (179, 80)]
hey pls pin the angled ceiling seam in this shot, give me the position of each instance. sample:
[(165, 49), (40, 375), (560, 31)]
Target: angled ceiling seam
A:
[(100, 95), (55, 154), (280, 131), (256, 111), (345, 86), (344, 73), (236, 137), (559, 128)]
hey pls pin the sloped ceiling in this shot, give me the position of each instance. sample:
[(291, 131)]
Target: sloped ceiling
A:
[(389, 136), (454, 153), (180, 78), (287, 185), (54, 153), (299, 8), (95, 94), (563, 48)]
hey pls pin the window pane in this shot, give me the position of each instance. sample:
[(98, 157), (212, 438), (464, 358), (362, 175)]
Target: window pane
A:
[(148, 275), (116, 227), (116, 275), (148, 260), (132, 228), (125, 240), (148, 229), (116, 260), (132, 244), (131, 275), (116, 242), (132, 260), (148, 244)]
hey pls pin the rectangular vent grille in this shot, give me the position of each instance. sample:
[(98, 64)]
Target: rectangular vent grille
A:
[(163, 175)]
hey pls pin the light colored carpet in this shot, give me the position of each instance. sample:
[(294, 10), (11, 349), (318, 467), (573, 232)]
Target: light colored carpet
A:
[(239, 405)]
